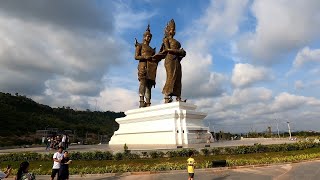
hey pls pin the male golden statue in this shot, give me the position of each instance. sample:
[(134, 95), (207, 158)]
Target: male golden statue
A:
[(173, 55), (147, 68)]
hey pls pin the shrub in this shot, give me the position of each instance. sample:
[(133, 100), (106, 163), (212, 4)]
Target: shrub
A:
[(131, 156), (144, 154), (103, 155), (215, 151), (161, 154), (205, 152), (153, 154), (172, 154), (183, 153), (118, 156), (230, 150)]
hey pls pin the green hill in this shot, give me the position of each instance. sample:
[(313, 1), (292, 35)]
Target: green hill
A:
[(21, 117)]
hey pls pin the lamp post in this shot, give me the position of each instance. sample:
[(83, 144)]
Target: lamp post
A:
[(289, 130), (278, 129)]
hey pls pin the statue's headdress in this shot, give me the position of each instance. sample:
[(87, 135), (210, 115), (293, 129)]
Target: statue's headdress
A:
[(170, 24), (147, 31)]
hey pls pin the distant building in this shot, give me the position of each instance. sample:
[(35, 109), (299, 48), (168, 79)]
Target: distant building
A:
[(49, 132)]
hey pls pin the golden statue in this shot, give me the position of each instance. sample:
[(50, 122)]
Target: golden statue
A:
[(173, 52), (147, 68)]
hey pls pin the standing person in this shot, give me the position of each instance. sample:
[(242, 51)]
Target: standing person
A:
[(23, 172), (57, 157), (51, 143), (63, 140), (191, 165), (67, 142), (43, 139), (6, 173), (209, 139), (174, 54), (147, 68), (59, 143), (64, 166), (47, 143)]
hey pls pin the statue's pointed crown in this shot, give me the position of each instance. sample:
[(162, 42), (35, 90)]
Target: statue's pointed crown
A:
[(147, 31), (170, 24)]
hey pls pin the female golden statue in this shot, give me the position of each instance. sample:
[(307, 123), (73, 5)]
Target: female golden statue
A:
[(174, 54)]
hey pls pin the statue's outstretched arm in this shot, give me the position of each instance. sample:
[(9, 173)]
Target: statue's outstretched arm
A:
[(137, 55)]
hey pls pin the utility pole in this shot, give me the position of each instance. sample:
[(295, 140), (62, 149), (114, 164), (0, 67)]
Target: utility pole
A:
[(278, 128), (289, 130)]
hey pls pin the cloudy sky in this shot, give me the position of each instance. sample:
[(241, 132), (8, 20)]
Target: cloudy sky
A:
[(250, 63)]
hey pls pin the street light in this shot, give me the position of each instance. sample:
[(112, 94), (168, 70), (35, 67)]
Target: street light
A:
[(289, 130), (278, 129)]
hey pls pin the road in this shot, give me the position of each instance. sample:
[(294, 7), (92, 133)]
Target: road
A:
[(296, 171)]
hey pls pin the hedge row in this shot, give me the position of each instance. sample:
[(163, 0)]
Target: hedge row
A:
[(259, 148), (166, 166), (99, 155)]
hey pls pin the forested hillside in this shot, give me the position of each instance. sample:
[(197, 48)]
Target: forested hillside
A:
[(20, 117)]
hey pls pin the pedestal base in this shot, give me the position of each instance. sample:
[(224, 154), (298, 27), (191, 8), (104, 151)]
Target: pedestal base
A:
[(174, 124)]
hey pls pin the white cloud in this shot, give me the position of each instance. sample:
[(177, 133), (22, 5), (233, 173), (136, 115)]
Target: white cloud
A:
[(306, 55), (257, 108), (285, 101), (72, 87), (59, 61), (55, 52), (127, 19), (110, 99), (198, 80), (246, 74), (298, 85), (116, 99), (242, 97), (57, 99), (220, 21), (281, 28)]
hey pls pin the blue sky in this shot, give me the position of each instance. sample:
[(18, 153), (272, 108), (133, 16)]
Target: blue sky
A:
[(248, 62)]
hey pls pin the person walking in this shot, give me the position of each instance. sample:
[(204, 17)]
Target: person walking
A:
[(57, 157), (191, 166)]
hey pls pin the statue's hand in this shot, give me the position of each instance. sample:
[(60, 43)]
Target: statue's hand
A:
[(154, 58), (147, 57), (165, 51)]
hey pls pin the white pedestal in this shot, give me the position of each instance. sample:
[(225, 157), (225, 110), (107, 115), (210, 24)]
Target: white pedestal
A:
[(174, 124)]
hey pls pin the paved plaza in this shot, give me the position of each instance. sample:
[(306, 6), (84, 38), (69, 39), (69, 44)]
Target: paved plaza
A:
[(298, 171)]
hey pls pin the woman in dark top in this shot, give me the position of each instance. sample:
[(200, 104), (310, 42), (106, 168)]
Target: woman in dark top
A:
[(23, 172), (64, 166)]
